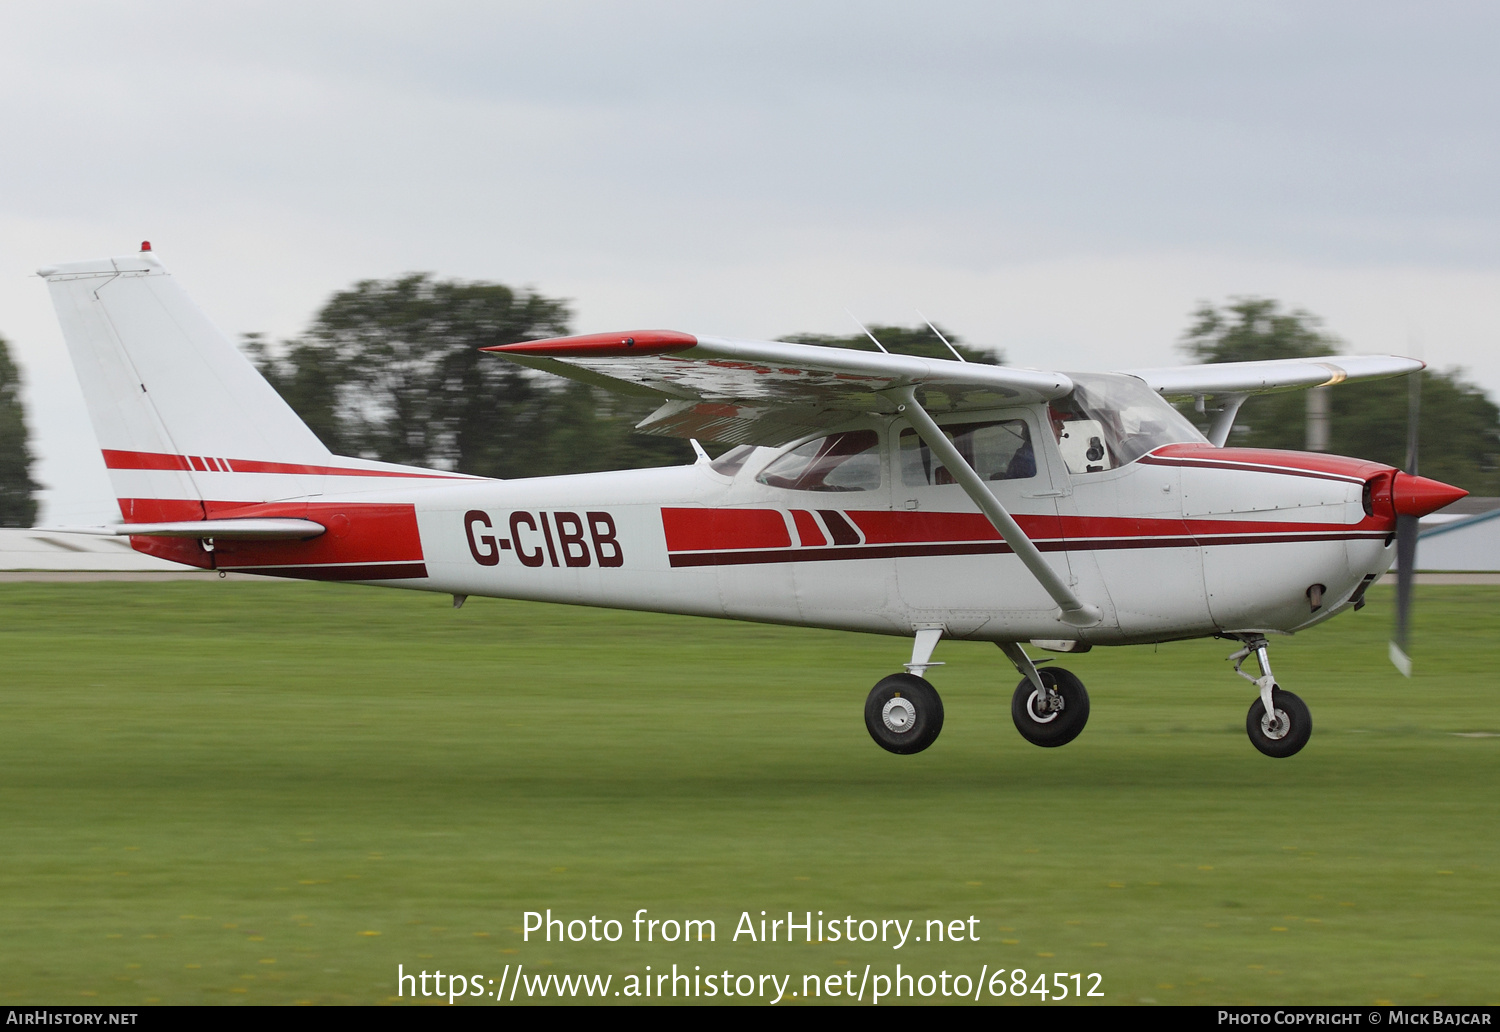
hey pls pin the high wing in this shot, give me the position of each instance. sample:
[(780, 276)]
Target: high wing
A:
[(1288, 374), (770, 392)]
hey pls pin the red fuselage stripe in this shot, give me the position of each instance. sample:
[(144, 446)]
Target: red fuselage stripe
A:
[(383, 534), (159, 460), (691, 530)]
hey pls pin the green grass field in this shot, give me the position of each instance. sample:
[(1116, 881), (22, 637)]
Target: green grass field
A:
[(276, 792)]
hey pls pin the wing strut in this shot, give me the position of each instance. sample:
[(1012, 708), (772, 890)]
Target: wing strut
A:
[(1074, 611), (1218, 433)]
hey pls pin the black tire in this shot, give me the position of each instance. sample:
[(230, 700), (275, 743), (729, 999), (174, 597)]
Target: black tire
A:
[(1049, 730), (1288, 734), (904, 714)]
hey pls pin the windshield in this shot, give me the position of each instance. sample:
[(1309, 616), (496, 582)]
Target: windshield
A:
[(1110, 419)]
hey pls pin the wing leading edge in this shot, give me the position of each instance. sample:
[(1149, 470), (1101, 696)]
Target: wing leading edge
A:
[(1288, 374), (771, 392)]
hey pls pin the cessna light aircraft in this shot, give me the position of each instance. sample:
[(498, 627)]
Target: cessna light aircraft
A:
[(866, 491)]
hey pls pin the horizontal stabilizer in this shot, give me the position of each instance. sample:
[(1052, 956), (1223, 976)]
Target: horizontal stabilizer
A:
[(226, 530)]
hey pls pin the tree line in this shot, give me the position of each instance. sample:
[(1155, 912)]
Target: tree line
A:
[(391, 370)]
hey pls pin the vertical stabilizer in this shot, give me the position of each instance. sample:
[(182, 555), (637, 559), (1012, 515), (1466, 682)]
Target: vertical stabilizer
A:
[(174, 403)]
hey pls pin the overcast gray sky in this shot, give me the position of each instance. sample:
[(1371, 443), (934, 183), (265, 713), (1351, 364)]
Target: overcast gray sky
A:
[(1065, 181)]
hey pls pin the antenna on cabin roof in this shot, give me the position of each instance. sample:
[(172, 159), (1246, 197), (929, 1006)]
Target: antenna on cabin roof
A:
[(866, 331), (940, 337)]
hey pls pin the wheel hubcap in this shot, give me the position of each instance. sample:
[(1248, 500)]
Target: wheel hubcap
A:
[(898, 715), (1275, 727)]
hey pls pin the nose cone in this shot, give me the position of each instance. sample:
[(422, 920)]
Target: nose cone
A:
[(1417, 496)]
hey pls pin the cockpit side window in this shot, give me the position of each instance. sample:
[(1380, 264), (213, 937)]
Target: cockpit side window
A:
[(998, 450), (849, 461)]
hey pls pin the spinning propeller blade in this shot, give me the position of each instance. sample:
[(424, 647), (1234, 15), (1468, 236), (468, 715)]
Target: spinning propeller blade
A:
[(1406, 536)]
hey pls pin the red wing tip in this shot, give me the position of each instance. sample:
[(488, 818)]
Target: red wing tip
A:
[(633, 342)]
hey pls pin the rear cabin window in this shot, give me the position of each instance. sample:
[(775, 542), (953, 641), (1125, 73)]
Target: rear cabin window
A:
[(730, 462), (997, 451), (840, 462)]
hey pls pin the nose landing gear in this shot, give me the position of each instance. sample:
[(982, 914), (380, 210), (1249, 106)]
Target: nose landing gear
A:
[(1284, 730), (1279, 723)]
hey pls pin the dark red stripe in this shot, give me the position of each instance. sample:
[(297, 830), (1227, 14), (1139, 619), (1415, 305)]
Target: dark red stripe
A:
[(1267, 460), (372, 572), (843, 534), (812, 555), (734, 530), (1245, 467)]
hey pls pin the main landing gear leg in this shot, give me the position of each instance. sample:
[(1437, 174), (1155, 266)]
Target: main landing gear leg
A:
[(1050, 706), (1278, 723), (903, 713)]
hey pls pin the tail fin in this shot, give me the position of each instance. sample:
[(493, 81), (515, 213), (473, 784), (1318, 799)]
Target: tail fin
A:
[(174, 404), (199, 447)]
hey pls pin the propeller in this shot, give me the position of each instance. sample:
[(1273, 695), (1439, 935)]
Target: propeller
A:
[(1406, 535)]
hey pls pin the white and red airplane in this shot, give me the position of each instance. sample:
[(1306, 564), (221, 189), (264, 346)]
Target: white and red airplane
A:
[(873, 492)]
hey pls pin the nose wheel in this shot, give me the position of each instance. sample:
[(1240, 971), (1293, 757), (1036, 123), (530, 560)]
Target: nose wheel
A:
[(904, 714), (1283, 731), (1278, 723)]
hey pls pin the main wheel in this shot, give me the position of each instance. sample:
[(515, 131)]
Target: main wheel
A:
[(904, 714), (1285, 731), (1054, 721)]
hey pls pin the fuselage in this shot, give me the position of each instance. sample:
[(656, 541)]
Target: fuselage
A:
[(1183, 541)]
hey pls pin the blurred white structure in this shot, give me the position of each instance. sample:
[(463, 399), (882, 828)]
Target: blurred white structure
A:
[(46, 550), (1464, 536)]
